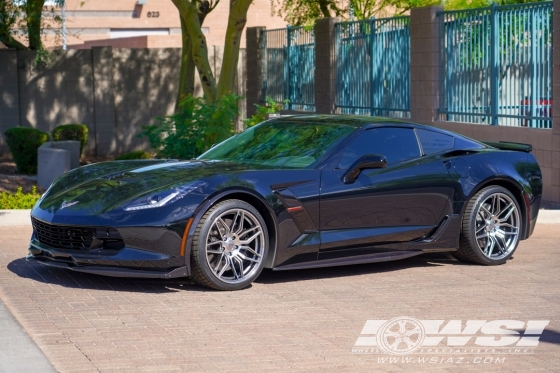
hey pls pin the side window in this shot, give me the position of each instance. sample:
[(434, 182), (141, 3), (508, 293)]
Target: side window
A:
[(434, 142), (397, 144)]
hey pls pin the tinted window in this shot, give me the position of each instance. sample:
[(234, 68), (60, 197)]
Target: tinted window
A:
[(434, 142), (280, 144), (397, 144)]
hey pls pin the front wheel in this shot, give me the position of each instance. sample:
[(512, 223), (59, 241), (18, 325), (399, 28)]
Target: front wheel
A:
[(229, 246), (491, 227)]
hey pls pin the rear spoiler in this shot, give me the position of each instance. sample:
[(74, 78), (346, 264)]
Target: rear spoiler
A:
[(505, 145)]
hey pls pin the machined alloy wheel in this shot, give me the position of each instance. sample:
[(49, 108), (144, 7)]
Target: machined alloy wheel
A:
[(230, 246), (491, 227)]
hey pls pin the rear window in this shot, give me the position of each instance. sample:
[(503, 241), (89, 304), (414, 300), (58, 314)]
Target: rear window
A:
[(434, 142)]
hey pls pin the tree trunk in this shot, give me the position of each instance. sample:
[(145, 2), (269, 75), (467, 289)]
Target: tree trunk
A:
[(34, 13), (324, 8), (186, 76), (236, 23), (199, 48)]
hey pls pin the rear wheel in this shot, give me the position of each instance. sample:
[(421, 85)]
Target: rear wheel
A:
[(491, 227), (229, 246)]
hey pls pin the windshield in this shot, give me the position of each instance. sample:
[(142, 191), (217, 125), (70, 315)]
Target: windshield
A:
[(280, 144)]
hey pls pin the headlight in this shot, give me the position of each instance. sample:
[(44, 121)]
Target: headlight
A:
[(164, 198)]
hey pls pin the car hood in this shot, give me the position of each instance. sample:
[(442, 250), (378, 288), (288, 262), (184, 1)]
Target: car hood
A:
[(102, 187)]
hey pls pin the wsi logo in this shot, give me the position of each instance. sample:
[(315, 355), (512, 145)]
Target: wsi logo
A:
[(405, 335)]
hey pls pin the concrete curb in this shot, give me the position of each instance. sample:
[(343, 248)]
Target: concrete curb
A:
[(549, 217), (15, 217), (19, 353), (21, 217)]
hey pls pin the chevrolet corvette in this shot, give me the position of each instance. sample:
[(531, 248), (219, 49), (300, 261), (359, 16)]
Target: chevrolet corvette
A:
[(292, 193)]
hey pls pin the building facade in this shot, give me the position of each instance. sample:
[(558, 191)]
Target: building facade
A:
[(146, 23)]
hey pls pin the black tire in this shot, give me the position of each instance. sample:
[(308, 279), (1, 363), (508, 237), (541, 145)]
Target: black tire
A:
[(500, 240), (226, 254)]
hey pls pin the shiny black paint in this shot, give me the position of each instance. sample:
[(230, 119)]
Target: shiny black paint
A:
[(313, 217)]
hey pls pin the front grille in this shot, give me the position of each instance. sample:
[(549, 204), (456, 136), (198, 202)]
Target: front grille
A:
[(72, 238)]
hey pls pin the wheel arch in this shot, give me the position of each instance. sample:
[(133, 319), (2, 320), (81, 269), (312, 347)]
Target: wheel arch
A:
[(251, 198), (515, 189)]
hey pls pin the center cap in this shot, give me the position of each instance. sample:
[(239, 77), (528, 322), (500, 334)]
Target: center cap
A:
[(229, 245)]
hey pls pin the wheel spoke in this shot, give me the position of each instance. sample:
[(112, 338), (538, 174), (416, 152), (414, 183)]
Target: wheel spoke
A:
[(218, 263), (227, 265), (242, 234), (509, 210), (485, 234), (496, 205), (504, 233), (240, 262), (213, 243), (252, 238), (232, 265), (247, 258), (489, 246), (241, 220), (509, 226), (481, 228), (224, 225), (408, 342), (485, 210), (247, 248), (500, 247)]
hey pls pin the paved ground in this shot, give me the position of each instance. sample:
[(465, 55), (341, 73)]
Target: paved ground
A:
[(304, 321), (18, 352)]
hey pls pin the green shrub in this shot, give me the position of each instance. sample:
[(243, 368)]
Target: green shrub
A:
[(270, 107), (139, 154), (78, 132), (23, 143), (195, 129), (18, 200)]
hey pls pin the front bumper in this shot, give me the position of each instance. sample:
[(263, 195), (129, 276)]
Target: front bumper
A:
[(144, 252)]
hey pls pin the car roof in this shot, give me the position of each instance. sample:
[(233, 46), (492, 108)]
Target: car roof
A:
[(356, 121), (359, 121)]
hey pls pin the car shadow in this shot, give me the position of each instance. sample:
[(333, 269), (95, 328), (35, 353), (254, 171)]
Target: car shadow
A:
[(426, 260), (71, 279), (66, 278)]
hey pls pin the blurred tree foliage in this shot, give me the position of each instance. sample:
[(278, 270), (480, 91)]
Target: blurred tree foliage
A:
[(306, 12), (194, 129)]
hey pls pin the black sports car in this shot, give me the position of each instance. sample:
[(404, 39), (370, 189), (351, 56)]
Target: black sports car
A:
[(290, 193)]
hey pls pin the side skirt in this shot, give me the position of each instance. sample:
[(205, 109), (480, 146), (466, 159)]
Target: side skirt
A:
[(360, 259)]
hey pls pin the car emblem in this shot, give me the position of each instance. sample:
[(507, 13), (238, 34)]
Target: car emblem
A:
[(68, 204)]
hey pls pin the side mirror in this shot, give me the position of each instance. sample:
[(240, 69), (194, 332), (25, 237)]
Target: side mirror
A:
[(364, 162)]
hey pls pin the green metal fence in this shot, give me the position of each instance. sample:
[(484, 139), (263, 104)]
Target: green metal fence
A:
[(289, 67), (372, 59), (496, 65)]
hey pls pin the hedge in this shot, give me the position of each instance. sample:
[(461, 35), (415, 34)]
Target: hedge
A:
[(19, 200), (23, 143), (78, 132)]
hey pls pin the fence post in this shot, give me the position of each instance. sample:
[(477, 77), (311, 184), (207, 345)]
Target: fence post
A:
[(424, 64), (556, 101), (325, 65), (494, 78), (556, 78), (254, 68)]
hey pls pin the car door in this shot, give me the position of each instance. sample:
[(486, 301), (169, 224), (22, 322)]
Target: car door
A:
[(402, 202)]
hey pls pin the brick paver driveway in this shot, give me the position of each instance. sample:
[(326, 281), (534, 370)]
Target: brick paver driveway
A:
[(306, 320)]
